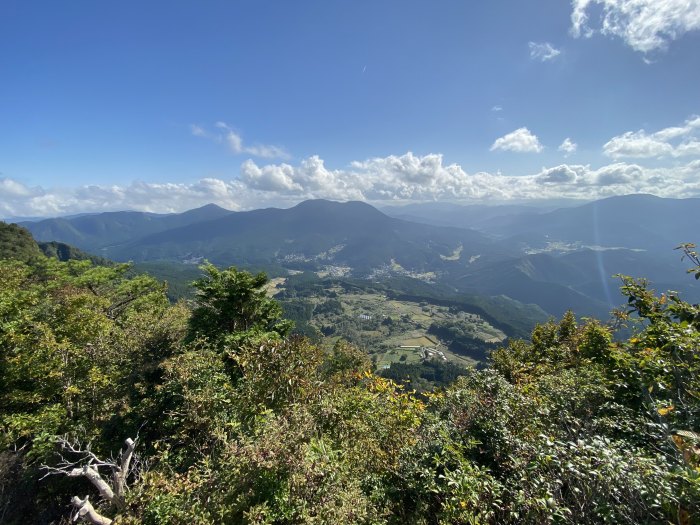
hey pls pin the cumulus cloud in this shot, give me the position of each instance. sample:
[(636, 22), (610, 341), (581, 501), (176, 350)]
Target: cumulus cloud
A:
[(406, 177), (563, 174), (568, 147), (225, 134), (17, 199), (543, 51), (411, 177), (644, 25), (521, 140), (676, 141), (11, 188)]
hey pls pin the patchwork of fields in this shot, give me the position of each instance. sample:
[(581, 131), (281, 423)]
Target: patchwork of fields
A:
[(390, 330)]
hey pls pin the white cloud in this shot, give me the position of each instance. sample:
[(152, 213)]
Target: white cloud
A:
[(234, 141), (677, 141), (269, 178), (543, 51), (427, 178), (11, 188), (405, 177), (644, 25), (227, 135), (563, 174), (568, 147), (143, 196), (521, 141), (497, 108), (267, 151)]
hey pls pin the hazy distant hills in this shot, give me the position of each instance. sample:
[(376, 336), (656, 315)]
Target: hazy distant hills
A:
[(311, 234), (97, 231), (568, 256), (630, 221), (557, 259), (581, 280), (458, 215)]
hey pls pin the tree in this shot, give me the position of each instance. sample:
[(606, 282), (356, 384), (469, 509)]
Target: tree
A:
[(231, 306), (70, 334), (17, 243), (77, 346)]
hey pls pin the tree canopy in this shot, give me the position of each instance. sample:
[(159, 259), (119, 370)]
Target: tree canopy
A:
[(236, 421), (230, 304)]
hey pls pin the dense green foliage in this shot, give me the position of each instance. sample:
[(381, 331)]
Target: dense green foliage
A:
[(461, 338), (66, 252), (239, 422), (424, 376), (231, 305), (77, 344), (17, 243)]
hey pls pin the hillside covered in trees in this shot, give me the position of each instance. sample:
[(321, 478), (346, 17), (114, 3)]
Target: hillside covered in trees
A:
[(117, 406), (558, 260)]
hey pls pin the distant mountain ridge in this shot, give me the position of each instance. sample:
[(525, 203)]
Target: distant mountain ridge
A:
[(633, 221), (312, 234), (558, 259), (95, 231)]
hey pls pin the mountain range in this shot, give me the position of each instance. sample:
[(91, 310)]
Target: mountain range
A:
[(558, 259)]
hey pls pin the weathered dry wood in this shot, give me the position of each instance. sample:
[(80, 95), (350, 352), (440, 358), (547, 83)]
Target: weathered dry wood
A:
[(111, 488), (122, 472), (87, 511), (96, 479)]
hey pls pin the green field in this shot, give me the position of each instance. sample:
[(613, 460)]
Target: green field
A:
[(382, 326)]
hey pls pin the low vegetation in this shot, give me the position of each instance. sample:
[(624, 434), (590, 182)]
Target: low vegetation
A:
[(131, 409)]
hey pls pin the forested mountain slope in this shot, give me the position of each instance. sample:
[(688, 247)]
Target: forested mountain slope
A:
[(213, 413), (557, 259), (95, 231)]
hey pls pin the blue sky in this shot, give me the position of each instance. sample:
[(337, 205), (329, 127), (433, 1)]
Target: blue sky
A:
[(163, 106)]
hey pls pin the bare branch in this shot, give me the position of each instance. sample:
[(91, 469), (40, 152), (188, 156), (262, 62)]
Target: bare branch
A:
[(122, 472), (111, 488), (86, 510), (96, 479)]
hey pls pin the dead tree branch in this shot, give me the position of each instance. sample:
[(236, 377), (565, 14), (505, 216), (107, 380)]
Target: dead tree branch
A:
[(112, 486), (84, 509)]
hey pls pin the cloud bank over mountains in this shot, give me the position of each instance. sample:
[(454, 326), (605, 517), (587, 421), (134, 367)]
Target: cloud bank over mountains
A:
[(406, 177), (674, 153)]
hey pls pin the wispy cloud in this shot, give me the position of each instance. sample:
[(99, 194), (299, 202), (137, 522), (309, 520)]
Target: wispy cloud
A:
[(521, 140), (198, 131), (225, 134), (497, 108), (543, 51), (676, 141), (568, 147), (644, 25)]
